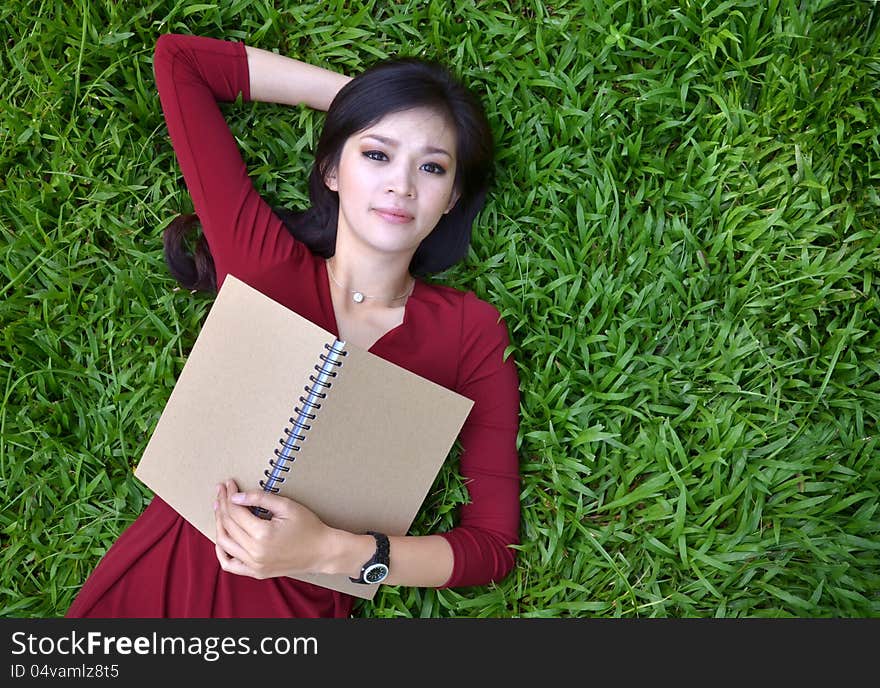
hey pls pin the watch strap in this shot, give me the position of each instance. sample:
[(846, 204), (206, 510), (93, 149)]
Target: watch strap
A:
[(375, 569)]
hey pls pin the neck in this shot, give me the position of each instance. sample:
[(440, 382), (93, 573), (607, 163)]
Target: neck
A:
[(377, 282)]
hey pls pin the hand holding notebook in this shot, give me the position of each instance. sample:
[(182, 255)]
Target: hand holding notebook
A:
[(293, 540)]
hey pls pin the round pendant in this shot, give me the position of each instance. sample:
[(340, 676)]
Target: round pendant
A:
[(357, 297)]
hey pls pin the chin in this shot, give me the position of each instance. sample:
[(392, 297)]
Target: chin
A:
[(399, 241)]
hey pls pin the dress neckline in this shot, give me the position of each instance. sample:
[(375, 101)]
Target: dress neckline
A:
[(327, 294)]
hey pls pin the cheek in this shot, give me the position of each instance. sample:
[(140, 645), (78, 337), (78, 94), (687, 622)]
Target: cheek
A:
[(442, 198), (436, 184), (351, 185), (353, 173)]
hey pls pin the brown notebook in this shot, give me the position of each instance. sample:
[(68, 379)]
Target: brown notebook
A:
[(264, 390)]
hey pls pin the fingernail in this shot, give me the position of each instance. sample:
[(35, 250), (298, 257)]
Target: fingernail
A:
[(216, 506)]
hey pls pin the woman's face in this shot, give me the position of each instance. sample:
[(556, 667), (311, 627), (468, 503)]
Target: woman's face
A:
[(395, 180)]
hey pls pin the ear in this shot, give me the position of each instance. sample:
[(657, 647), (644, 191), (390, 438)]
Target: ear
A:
[(330, 180), (453, 199)]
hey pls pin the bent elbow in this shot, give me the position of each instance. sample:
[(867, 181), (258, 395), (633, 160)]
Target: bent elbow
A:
[(481, 557)]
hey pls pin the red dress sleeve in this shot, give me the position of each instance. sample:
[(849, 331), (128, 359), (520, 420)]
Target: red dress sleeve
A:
[(193, 73), (489, 463)]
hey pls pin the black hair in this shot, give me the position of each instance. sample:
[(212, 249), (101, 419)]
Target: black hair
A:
[(388, 87)]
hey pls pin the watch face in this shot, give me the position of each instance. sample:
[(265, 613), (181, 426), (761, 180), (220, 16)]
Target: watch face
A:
[(376, 573)]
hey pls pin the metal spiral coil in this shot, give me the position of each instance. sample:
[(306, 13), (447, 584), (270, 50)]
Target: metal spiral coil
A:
[(304, 415)]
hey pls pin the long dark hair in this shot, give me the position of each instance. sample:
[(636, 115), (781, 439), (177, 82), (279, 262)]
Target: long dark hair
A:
[(391, 86)]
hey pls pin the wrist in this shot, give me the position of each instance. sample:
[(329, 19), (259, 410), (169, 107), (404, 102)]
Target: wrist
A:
[(347, 552)]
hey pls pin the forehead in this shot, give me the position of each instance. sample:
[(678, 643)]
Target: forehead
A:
[(418, 127)]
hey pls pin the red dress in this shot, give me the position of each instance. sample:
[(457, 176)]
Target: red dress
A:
[(163, 567)]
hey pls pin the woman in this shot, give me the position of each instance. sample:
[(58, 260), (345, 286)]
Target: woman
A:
[(400, 172)]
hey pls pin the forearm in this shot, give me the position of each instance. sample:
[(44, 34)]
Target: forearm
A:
[(278, 79), (419, 561)]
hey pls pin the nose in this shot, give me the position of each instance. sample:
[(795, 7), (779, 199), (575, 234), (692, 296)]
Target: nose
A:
[(400, 181)]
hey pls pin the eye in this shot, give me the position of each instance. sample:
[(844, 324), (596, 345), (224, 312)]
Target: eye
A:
[(433, 168), (375, 155)]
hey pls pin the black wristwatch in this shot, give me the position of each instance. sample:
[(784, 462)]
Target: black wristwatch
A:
[(376, 569)]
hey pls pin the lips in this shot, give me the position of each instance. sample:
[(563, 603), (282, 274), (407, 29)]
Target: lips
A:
[(394, 215)]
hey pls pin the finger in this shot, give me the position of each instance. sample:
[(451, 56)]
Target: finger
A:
[(231, 564), (220, 537), (236, 527), (227, 551), (230, 538), (224, 509), (278, 506), (239, 565), (241, 521)]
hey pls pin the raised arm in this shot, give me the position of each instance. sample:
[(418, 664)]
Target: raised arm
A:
[(278, 79), (194, 74)]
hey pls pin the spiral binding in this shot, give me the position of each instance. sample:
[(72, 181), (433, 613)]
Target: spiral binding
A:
[(315, 392)]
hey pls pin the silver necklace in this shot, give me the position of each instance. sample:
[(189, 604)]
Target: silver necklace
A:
[(359, 296)]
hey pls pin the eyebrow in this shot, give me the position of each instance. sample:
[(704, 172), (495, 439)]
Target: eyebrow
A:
[(391, 142)]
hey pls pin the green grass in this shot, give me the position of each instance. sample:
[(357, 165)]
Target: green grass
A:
[(682, 239)]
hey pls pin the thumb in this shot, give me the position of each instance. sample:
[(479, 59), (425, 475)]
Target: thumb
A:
[(262, 503)]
